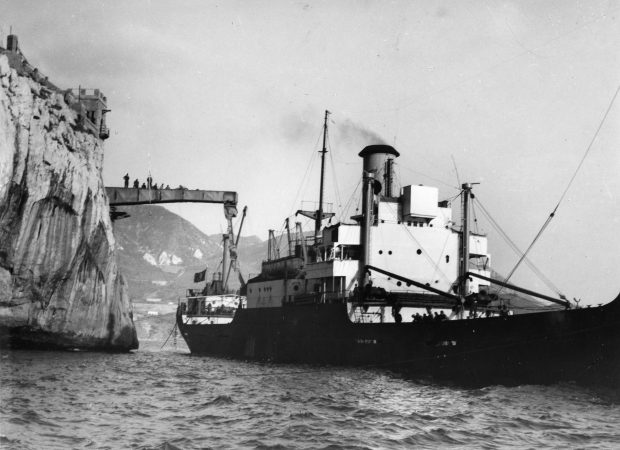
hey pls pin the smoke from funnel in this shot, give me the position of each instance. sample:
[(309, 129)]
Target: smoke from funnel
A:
[(358, 134)]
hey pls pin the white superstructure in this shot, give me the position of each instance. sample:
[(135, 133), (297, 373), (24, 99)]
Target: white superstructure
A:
[(411, 235)]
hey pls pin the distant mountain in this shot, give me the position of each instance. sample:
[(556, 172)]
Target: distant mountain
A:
[(159, 252)]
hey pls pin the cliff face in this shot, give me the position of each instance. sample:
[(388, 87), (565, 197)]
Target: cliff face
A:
[(59, 280)]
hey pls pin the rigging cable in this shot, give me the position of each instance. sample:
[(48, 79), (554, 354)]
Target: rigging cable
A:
[(437, 180), (352, 199), (473, 210), (456, 171), (515, 248), (542, 229), (335, 178), (306, 175)]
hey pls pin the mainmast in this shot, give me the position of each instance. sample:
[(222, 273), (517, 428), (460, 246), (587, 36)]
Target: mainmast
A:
[(368, 182), (319, 213), (464, 266)]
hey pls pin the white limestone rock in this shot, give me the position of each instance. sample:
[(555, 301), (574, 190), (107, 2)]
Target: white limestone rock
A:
[(58, 267), (149, 259)]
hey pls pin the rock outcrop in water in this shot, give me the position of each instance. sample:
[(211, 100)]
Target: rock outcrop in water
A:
[(60, 286)]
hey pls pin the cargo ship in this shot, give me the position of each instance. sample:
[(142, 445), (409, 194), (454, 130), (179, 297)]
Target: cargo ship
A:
[(403, 287)]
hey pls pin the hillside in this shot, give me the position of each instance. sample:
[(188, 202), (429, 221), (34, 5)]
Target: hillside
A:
[(159, 252)]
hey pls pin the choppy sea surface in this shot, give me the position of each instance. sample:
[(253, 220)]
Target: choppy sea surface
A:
[(168, 399)]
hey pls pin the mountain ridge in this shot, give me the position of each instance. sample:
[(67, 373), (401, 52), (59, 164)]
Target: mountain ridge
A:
[(160, 252)]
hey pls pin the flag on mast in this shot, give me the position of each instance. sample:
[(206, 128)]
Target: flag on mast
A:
[(200, 276)]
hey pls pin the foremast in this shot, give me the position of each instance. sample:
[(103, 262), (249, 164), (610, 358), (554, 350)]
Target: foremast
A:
[(319, 213)]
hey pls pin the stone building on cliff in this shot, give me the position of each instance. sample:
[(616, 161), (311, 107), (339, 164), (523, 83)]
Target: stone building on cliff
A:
[(89, 104)]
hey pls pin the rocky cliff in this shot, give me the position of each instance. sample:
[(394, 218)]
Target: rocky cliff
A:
[(59, 281)]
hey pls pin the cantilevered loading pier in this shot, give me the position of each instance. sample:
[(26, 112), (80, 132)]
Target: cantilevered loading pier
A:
[(133, 196), (122, 196)]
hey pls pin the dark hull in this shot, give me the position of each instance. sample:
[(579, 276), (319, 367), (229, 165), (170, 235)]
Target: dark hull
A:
[(580, 345)]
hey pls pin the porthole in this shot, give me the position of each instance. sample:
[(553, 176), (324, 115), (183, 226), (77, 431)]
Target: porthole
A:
[(295, 288), (447, 258), (419, 252), (381, 252), (390, 252), (399, 284)]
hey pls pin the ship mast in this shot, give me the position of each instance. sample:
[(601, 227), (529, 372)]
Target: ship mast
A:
[(319, 213), (464, 266)]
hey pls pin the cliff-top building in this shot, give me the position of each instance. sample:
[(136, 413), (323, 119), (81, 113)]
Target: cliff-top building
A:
[(89, 104)]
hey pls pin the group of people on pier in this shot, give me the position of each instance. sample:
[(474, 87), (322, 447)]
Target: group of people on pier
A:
[(147, 185)]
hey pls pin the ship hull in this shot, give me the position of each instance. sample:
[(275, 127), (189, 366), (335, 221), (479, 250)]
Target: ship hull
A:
[(581, 345)]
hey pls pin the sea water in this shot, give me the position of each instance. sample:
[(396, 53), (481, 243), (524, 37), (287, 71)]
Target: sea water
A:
[(154, 399)]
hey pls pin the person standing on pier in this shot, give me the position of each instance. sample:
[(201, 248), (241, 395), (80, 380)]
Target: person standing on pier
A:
[(126, 178)]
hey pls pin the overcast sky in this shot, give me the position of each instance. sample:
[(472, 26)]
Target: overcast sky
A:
[(231, 95)]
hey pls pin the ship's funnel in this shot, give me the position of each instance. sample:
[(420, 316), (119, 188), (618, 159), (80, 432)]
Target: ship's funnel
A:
[(376, 155), (378, 159)]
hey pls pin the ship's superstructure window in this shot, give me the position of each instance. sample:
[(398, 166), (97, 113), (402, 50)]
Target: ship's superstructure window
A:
[(338, 252)]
